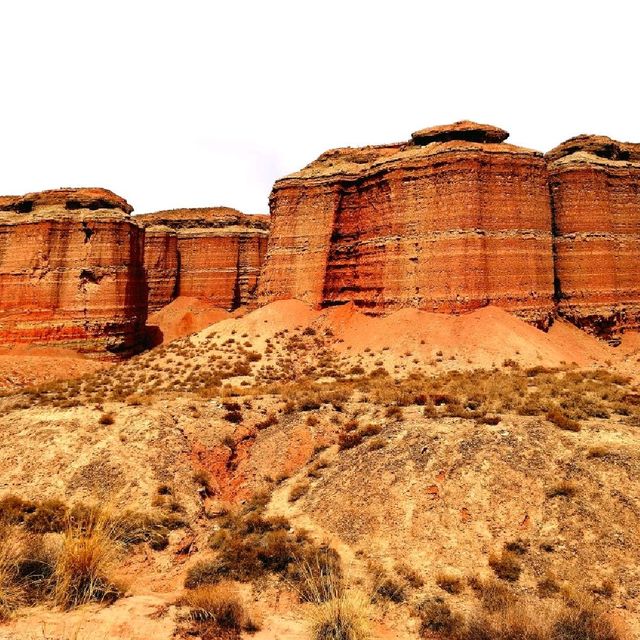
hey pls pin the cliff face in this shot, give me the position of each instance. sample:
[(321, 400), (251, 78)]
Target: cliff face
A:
[(451, 221), (71, 271), (161, 265), (595, 187), (219, 252)]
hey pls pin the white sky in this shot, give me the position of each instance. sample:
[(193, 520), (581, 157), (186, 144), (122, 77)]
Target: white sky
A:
[(196, 103)]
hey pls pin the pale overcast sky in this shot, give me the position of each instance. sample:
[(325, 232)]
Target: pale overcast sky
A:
[(196, 103)]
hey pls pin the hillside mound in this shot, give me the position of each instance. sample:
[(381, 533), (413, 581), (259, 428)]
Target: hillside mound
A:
[(461, 463), (179, 318)]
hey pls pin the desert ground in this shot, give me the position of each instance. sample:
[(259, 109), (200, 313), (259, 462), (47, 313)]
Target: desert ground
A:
[(418, 475)]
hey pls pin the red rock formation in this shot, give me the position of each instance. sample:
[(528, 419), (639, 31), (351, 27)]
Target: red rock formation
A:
[(71, 271), (595, 187), (449, 222), (220, 252), (161, 265)]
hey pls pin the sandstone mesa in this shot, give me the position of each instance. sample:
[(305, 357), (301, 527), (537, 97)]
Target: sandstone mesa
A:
[(219, 251), (72, 271), (450, 221)]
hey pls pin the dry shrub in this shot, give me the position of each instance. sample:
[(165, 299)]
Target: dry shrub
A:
[(234, 417), (83, 568), (436, 617), (317, 577), (560, 419), (385, 586), (518, 546), (49, 516), (218, 603), (250, 546), (450, 582), (598, 451), (410, 575), (565, 489), (341, 618), (548, 586), (298, 490), (11, 595), (14, 510), (586, 622), (106, 419), (203, 478), (506, 566), (520, 620)]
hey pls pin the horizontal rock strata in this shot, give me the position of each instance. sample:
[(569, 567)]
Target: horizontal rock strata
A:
[(161, 265), (71, 271), (595, 187), (219, 252), (451, 221)]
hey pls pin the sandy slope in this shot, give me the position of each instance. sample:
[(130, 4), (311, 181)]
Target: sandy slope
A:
[(440, 493)]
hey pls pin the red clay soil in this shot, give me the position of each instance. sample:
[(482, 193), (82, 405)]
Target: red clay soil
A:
[(181, 317), (23, 365)]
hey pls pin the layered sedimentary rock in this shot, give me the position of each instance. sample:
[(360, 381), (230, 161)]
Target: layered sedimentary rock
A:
[(595, 188), (71, 271), (161, 265), (450, 221), (220, 253)]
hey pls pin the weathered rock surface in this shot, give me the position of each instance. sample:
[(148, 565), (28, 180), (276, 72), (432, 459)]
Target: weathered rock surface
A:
[(595, 188), (161, 265), (220, 253), (449, 222), (71, 271)]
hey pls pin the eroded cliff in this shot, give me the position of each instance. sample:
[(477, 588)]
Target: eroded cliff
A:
[(451, 221), (219, 254), (71, 271), (161, 265), (595, 187)]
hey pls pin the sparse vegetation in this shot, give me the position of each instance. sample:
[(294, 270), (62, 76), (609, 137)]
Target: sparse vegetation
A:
[(506, 566), (563, 421), (83, 567), (298, 490), (450, 582), (341, 618), (249, 546), (564, 489), (219, 603)]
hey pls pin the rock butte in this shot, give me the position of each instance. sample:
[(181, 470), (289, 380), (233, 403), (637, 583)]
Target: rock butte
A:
[(218, 251), (595, 188), (71, 271), (450, 221)]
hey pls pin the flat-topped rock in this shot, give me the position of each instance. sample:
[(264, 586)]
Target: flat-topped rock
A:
[(91, 199), (595, 189), (203, 217), (456, 222), (210, 253), (601, 147), (463, 130), (71, 271)]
